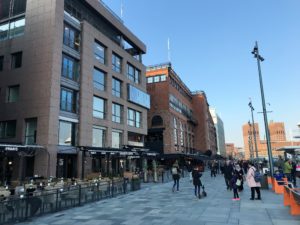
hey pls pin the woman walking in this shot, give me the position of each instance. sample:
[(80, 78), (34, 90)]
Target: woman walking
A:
[(196, 181), (255, 186)]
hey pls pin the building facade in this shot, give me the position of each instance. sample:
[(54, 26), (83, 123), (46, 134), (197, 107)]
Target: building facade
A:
[(178, 120), (277, 137), (219, 131), (71, 79)]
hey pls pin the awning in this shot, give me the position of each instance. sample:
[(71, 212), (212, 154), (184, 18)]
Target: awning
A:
[(27, 149), (66, 150), (289, 149), (111, 151)]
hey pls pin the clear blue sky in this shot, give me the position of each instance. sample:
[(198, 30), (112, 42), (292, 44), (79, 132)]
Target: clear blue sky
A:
[(211, 43)]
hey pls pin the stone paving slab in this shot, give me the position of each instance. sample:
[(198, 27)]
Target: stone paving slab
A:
[(157, 205)]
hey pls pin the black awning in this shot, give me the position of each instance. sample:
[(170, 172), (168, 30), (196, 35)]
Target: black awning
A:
[(112, 151), (27, 149)]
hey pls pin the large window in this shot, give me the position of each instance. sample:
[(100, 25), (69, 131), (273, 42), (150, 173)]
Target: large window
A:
[(116, 87), (30, 131), (181, 133), (16, 60), (99, 79), (116, 137), (10, 8), (117, 113), (99, 52), (133, 74), (12, 28), (70, 67), (99, 136), (67, 133), (71, 37), (8, 129), (175, 131), (134, 118), (99, 107), (116, 63), (1, 62), (68, 100), (13, 93)]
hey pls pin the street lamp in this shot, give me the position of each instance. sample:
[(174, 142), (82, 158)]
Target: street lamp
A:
[(259, 58), (253, 127)]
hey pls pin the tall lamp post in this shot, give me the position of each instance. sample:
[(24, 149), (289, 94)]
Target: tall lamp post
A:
[(259, 58), (253, 127)]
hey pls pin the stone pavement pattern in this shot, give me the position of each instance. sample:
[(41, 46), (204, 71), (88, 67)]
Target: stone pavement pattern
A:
[(157, 205)]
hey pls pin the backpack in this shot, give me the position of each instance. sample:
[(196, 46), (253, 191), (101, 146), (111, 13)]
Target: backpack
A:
[(257, 176), (174, 171)]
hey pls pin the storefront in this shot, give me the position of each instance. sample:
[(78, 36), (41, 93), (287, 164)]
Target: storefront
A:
[(17, 162)]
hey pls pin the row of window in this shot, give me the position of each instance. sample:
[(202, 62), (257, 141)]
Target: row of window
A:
[(157, 78), (183, 136), (16, 61), (11, 8), (8, 130), (70, 65), (179, 88), (178, 106)]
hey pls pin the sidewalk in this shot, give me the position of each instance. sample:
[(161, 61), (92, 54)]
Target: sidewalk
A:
[(157, 205)]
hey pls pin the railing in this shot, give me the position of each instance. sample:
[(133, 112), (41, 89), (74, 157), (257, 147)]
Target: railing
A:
[(112, 12), (17, 209)]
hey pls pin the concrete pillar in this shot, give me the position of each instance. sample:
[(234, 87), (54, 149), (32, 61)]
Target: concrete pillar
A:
[(145, 167), (154, 165)]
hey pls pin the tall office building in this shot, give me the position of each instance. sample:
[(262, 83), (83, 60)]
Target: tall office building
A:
[(219, 132), (73, 88)]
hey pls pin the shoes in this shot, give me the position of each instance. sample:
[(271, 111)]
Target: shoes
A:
[(234, 199), (257, 198), (237, 199), (251, 198)]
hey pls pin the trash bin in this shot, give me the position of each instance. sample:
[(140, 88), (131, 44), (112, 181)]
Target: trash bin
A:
[(264, 182)]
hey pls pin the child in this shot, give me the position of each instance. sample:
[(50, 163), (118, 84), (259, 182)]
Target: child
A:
[(235, 183)]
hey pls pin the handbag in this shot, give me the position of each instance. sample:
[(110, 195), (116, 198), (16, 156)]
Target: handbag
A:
[(238, 182)]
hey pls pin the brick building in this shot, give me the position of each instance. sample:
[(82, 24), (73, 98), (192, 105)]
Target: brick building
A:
[(277, 137), (178, 120), (71, 74)]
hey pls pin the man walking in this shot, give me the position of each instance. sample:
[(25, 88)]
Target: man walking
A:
[(176, 175)]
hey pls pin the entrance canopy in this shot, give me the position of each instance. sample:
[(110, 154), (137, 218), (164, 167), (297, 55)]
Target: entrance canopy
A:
[(290, 149), (15, 148)]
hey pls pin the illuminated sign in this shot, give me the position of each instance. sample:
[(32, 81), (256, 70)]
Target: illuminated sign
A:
[(138, 96), (9, 148)]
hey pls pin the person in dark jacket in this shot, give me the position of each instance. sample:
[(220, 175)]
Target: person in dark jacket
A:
[(234, 185), (228, 174), (196, 181), (176, 176)]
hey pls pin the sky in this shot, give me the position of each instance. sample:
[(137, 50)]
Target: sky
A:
[(210, 48)]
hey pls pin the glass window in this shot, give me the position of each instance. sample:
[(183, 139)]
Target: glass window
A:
[(67, 133), (16, 60), (70, 67), (4, 27), (98, 107), (175, 131), (181, 133), (4, 9), (13, 93), (19, 6), (68, 100), (133, 74), (1, 62), (98, 136), (116, 63), (71, 37), (156, 79), (149, 79), (16, 28), (116, 87), (116, 137), (8, 129), (163, 78), (30, 132), (134, 118), (99, 79), (99, 52), (117, 113)]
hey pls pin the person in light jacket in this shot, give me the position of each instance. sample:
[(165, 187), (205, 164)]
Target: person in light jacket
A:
[(255, 186)]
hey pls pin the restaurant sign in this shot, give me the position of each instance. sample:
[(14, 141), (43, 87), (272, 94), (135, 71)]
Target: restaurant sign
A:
[(11, 148)]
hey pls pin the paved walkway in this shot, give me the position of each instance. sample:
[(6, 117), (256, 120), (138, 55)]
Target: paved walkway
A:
[(158, 205)]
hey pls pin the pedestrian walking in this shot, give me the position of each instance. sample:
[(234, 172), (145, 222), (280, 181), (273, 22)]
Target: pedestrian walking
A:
[(176, 176), (190, 170), (228, 174), (254, 185), (213, 169), (196, 181), (240, 175), (235, 182)]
